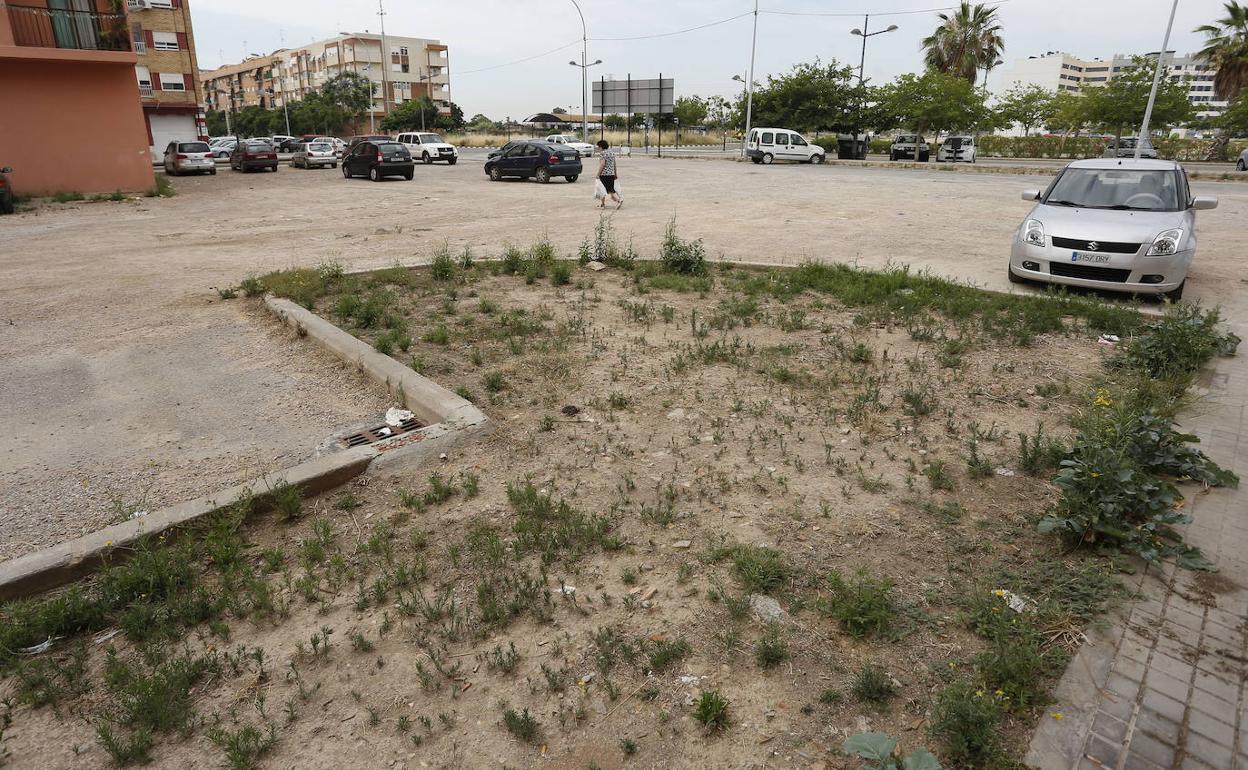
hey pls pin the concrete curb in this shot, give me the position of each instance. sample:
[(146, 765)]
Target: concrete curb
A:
[(66, 562)]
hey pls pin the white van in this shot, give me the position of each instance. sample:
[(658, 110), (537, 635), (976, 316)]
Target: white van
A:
[(428, 147), (957, 149), (767, 145)]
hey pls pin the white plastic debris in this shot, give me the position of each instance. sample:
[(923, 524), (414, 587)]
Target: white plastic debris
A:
[(384, 432), (38, 648), (569, 590), (1012, 600), (596, 266), (1109, 339), (690, 679), (1004, 472), (396, 416), (137, 515)]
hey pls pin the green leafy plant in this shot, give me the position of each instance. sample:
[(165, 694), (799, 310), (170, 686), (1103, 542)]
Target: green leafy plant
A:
[(966, 722), (1179, 344), (760, 569), (879, 749), (680, 256), (522, 725), (873, 686), (863, 605), (712, 710)]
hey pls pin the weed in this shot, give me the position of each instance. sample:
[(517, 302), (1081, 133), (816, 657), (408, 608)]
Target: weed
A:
[(465, 394), (522, 725), (680, 256), (561, 274), (628, 746), (665, 653), (771, 650), (244, 747), (712, 710), (227, 293), (251, 286), (162, 189), (68, 197), (494, 382), (862, 605), (860, 353), (830, 697), (880, 750), (977, 466), (443, 266), (760, 569), (1177, 345), (938, 476), (438, 335), (1038, 454), (1014, 668), (873, 686), (136, 748), (965, 720)]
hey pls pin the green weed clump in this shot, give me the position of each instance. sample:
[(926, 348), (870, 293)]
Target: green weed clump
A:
[(1177, 345), (522, 725), (712, 710), (760, 569), (966, 724), (863, 605), (554, 529), (873, 686), (680, 256)]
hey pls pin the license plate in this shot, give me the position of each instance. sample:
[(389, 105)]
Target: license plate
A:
[(1083, 256)]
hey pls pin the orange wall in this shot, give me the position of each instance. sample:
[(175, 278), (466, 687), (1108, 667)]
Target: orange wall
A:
[(72, 126)]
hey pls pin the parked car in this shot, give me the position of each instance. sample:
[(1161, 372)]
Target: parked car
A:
[(540, 160), (185, 157), (1124, 147), (314, 155), (223, 148), (767, 145), (251, 154), (1116, 225), (1242, 163), (340, 147), (378, 159), (910, 146), (278, 140), (292, 144), (584, 149), (503, 149), (957, 149), (6, 191), (429, 147)]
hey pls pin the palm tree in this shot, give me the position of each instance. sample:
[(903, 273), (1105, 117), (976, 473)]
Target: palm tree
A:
[(965, 42), (1226, 49)]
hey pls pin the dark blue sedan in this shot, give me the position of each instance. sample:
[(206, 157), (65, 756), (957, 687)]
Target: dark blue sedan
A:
[(539, 160)]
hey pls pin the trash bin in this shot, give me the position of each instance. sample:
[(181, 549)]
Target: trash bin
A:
[(850, 147)]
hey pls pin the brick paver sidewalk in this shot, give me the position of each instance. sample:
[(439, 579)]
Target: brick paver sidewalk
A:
[(1164, 686)]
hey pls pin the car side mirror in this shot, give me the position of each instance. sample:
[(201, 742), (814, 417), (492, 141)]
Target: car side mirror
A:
[(6, 170), (1204, 202), (1031, 195)]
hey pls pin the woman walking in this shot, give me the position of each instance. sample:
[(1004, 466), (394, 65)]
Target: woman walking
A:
[(608, 173)]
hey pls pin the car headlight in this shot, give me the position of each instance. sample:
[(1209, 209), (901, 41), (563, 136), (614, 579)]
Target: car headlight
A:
[(1033, 233), (1166, 243)]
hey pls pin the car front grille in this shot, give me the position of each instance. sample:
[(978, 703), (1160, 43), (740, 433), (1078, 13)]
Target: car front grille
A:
[(1105, 246), (1088, 272)]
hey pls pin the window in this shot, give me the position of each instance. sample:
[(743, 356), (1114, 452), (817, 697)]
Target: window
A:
[(193, 147), (172, 81), (165, 41), (403, 51), (769, 138), (143, 74), (782, 139), (161, 3), (798, 141)]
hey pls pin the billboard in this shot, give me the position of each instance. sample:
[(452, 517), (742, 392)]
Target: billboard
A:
[(629, 97)]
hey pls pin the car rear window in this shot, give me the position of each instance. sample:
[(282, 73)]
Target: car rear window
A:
[(257, 144), (320, 147), (391, 147), (193, 147)]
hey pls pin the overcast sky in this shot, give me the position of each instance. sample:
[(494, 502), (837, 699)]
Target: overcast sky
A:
[(483, 34)]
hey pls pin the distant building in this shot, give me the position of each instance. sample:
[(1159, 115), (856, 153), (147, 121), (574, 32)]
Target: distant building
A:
[(167, 72), (70, 119), (416, 67)]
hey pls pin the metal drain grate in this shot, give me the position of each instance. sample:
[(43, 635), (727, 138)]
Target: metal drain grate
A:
[(381, 433)]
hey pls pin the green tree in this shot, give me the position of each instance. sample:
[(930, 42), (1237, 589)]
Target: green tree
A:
[(1068, 113), (1027, 106), (316, 113), (351, 92), (718, 113), (965, 42), (1226, 49), (216, 122), (932, 102), (690, 111), (1119, 105), (452, 121), (412, 115), (1234, 120), (812, 97), (480, 122)]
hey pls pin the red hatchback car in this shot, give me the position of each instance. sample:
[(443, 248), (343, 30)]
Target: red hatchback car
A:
[(251, 154)]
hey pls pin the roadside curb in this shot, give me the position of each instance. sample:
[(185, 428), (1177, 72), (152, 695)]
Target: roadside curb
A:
[(68, 561)]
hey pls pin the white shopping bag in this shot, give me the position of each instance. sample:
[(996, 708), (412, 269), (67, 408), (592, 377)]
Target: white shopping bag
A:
[(600, 192)]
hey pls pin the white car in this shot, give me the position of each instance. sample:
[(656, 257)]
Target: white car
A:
[(1242, 163), (957, 149), (1113, 225), (314, 155), (584, 149), (428, 147), (767, 145)]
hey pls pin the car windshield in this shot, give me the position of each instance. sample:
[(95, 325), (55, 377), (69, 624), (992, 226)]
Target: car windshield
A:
[(1121, 189), (193, 147), (906, 139), (320, 147), (430, 139)]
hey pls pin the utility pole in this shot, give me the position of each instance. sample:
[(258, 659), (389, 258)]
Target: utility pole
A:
[(1152, 95), (749, 86), (385, 61), (584, 65)]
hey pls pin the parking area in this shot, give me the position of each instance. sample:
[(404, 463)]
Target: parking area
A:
[(127, 382)]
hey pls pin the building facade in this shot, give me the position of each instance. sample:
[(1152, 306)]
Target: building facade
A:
[(167, 71), (1058, 71), (66, 73), (414, 67)]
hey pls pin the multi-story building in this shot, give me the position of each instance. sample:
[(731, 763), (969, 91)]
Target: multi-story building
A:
[(1058, 71), (415, 67), (167, 71), (69, 107)]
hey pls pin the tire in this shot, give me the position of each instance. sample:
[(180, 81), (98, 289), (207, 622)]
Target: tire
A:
[(924, 157), (346, 172), (212, 172), (495, 174), (1013, 276), (408, 176), (768, 159), (452, 161), (1240, 165), (424, 156), (542, 175), (1176, 294), (817, 160), (374, 174), (333, 165), (6, 204), (572, 177)]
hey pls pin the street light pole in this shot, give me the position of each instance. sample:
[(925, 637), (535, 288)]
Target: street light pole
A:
[(385, 60), (1152, 95), (584, 65), (862, 67), (749, 85)]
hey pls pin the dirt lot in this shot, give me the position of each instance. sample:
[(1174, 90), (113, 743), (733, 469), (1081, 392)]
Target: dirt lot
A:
[(667, 458), (113, 338)]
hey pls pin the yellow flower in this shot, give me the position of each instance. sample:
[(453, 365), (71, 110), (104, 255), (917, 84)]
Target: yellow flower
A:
[(1102, 398), (108, 542), (979, 693), (999, 592), (1057, 716), (1000, 692)]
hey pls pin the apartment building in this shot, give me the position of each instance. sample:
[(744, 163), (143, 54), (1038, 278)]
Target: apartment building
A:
[(65, 74), (1059, 71), (413, 67), (167, 71)]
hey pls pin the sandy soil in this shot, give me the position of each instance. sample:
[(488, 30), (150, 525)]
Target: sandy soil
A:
[(762, 446), (111, 337)]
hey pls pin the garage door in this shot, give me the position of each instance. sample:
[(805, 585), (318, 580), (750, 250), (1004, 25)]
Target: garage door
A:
[(169, 128)]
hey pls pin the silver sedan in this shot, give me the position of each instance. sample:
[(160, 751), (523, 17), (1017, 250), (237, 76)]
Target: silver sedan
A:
[(1115, 225), (189, 157)]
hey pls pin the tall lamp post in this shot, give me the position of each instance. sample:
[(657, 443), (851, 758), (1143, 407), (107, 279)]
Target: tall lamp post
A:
[(749, 86), (1152, 95), (745, 87), (862, 66), (584, 65)]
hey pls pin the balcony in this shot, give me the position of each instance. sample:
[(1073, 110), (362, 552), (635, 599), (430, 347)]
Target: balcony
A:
[(145, 90), (39, 27)]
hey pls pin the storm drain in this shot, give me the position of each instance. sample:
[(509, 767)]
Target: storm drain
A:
[(381, 433)]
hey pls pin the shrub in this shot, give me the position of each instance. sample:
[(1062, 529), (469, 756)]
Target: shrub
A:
[(1177, 345), (863, 605), (680, 256), (761, 570), (1014, 669), (443, 266), (965, 722), (561, 274), (771, 650), (871, 685), (522, 725), (712, 710)]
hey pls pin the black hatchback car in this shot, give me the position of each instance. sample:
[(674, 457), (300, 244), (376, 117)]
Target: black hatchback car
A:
[(378, 160), (540, 160)]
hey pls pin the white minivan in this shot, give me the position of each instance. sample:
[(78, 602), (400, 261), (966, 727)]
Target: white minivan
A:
[(767, 145), (428, 147)]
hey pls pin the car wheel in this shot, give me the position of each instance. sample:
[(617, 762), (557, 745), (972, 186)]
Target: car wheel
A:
[(1176, 294), (333, 165), (452, 161), (892, 156), (572, 177), (1013, 276), (756, 160), (408, 176), (542, 175), (1240, 165), (212, 172), (346, 172), (495, 174), (817, 160), (924, 157), (425, 157), (767, 159), (374, 174)]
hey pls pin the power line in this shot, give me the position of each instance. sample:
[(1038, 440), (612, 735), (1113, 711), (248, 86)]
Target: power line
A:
[(677, 32), (519, 61), (855, 14)]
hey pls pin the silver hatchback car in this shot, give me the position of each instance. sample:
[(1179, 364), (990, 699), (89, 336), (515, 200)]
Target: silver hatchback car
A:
[(186, 157), (314, 155), (1115, 225)]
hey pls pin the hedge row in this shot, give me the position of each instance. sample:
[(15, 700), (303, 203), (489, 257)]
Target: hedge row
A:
[(1070, 148)]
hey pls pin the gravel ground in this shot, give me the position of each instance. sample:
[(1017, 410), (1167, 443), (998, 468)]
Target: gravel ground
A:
[(125, 382)]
